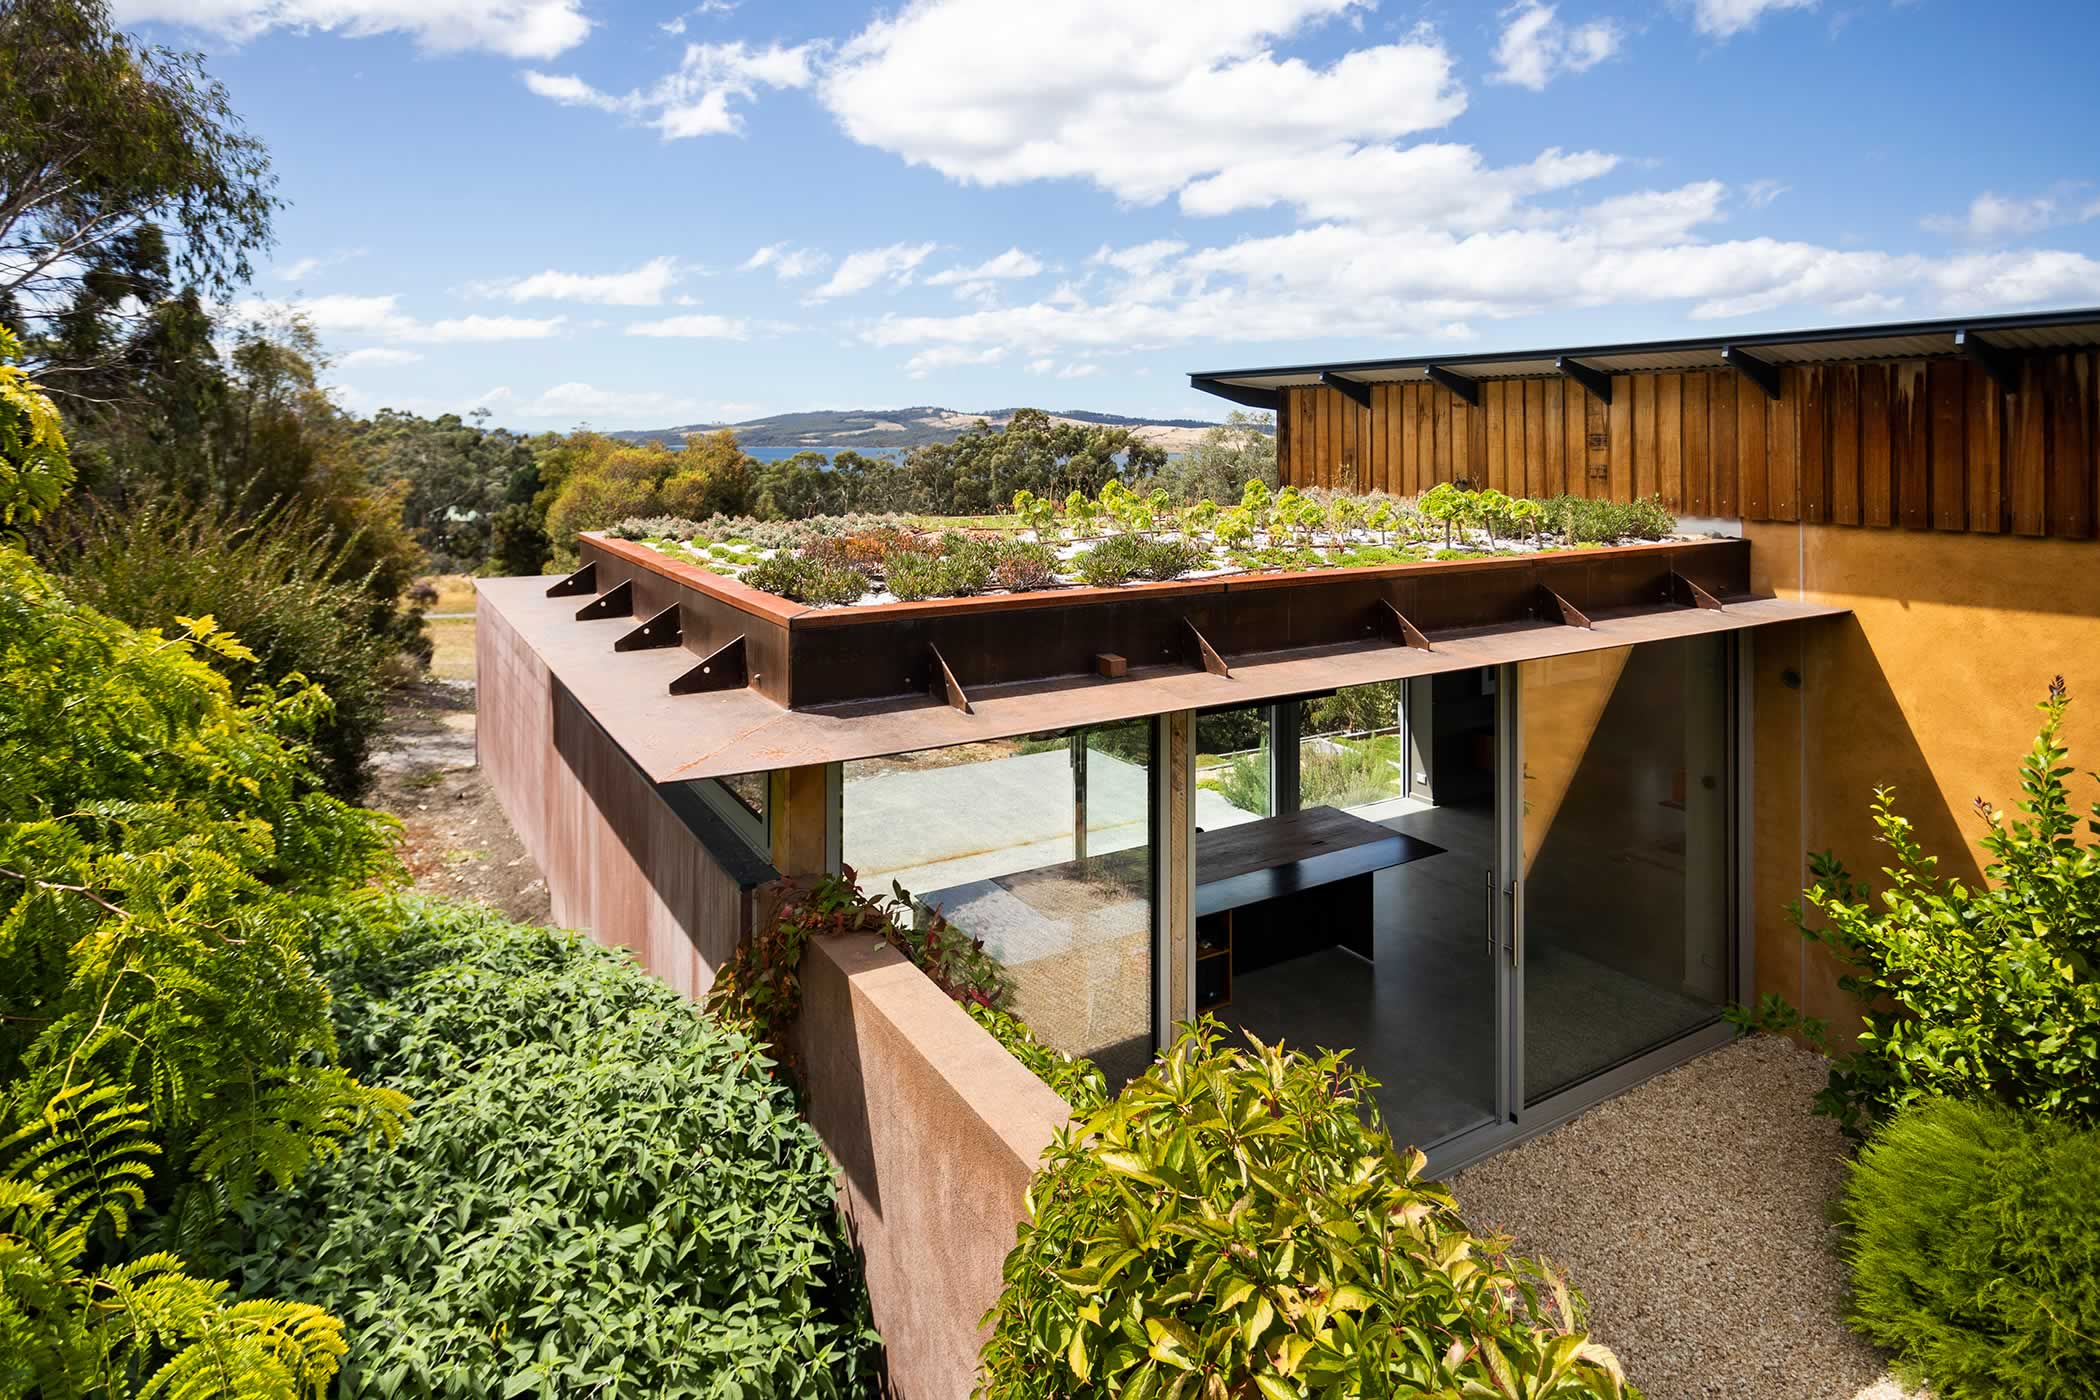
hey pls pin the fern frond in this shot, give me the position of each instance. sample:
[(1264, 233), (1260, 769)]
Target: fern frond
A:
[(88, 1151)]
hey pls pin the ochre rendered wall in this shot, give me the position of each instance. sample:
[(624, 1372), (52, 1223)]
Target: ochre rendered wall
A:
[(1928, 688)]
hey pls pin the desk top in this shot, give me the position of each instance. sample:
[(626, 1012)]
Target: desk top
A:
[(1258, 860)]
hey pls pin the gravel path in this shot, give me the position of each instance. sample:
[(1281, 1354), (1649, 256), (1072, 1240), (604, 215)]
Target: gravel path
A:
[(1692, 1213)]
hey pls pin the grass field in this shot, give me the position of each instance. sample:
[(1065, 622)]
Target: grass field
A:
[(450, 622)]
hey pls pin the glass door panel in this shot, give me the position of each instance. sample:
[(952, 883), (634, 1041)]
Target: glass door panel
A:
[(1399, 963), (1624, 838)]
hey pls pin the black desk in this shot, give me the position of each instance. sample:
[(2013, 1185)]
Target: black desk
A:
[(1283, 887)]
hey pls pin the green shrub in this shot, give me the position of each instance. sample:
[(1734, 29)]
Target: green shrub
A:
[(1235, 1223), (165, 1045), (1108, 563), (1588, 520), (1973, 1233), (1077, 1081), (1021, 566), (792, 576), (603, 1192), (1978, 993), (275, 582)]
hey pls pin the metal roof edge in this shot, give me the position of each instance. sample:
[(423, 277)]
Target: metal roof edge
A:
[(1891, 330)]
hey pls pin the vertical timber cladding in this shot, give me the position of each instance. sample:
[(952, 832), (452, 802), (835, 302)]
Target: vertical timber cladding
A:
[(1910, 444)]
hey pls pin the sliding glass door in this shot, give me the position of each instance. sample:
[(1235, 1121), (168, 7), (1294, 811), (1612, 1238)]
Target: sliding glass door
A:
[(1627, 841)]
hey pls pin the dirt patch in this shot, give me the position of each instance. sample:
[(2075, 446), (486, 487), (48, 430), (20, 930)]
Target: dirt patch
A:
[(456, 840)]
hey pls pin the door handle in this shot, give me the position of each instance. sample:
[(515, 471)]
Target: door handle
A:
[(1516, 923)]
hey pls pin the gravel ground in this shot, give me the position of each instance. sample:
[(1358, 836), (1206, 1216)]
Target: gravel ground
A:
[(1692, 1213)]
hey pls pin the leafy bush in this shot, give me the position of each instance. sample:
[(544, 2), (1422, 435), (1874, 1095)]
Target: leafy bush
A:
[(1113, 561), (165, 1046), (1973, 1232), (603, 1193), (1981, 993), (35, 467), (1021, 566), (1235, 1223), (958, 570), (1587, 520), (274, 581), (806, 580), (1077, 1081)]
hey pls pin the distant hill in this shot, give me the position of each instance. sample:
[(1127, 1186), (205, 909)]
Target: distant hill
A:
[(834, 430)]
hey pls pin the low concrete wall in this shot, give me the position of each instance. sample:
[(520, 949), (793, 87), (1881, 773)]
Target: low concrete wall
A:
[(935, 1128)]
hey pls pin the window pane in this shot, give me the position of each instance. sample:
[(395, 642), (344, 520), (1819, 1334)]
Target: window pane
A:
[(1349, 747), (1626, 854), (1043, 849), (749, 789), (1232, 766)]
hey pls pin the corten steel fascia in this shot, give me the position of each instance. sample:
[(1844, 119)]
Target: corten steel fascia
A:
[(676, 738), (805, 658), (1275, 635)]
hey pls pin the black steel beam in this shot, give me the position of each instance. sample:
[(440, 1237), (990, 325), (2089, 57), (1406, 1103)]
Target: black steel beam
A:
[(1763, 373), (1354, 389), (1588, 376), (1464, 386), (2000, 362), (1268, 400), (724, 668), (661, 630)]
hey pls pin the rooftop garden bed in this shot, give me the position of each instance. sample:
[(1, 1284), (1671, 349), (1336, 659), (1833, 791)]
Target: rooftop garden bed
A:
[(1122, 537)]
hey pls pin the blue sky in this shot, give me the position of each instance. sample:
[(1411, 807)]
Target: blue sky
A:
[(641, 214)]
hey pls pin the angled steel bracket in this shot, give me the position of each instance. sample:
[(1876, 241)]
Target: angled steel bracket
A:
[(1998, 361), (943, 683), (1270, 400), (1763, 373), (1464, 386), (1570, 615), (1683, 590), (720, 669), (661, 630), (1354, 389), (584, 580), (617, 601), (1588, 376), (1206, 655), (1394, 624)]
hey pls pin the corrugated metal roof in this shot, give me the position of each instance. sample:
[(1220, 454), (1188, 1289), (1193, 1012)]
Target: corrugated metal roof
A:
[(2041, 330)]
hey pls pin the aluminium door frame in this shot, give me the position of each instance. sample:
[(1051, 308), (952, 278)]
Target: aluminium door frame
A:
[(1519, 1121)]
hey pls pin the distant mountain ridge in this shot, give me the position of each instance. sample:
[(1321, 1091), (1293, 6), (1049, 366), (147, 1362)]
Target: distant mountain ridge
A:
[(835, 430)]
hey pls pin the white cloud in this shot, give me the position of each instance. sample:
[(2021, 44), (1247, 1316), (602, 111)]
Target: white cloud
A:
[(379, 355), (301, 268), (698, 98), (1536, 47), (698, 326), (1991, 216), (951, 357), (1759, 193), (643, 286), (1431, 185), (580, 400), (1084, 369), (1337, 281), (1723, 19), (382, 317), (1013, 263), (512, 28), (1139, 258), (1041, 365), (788, 263), (1138, 99), (859, 271)]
